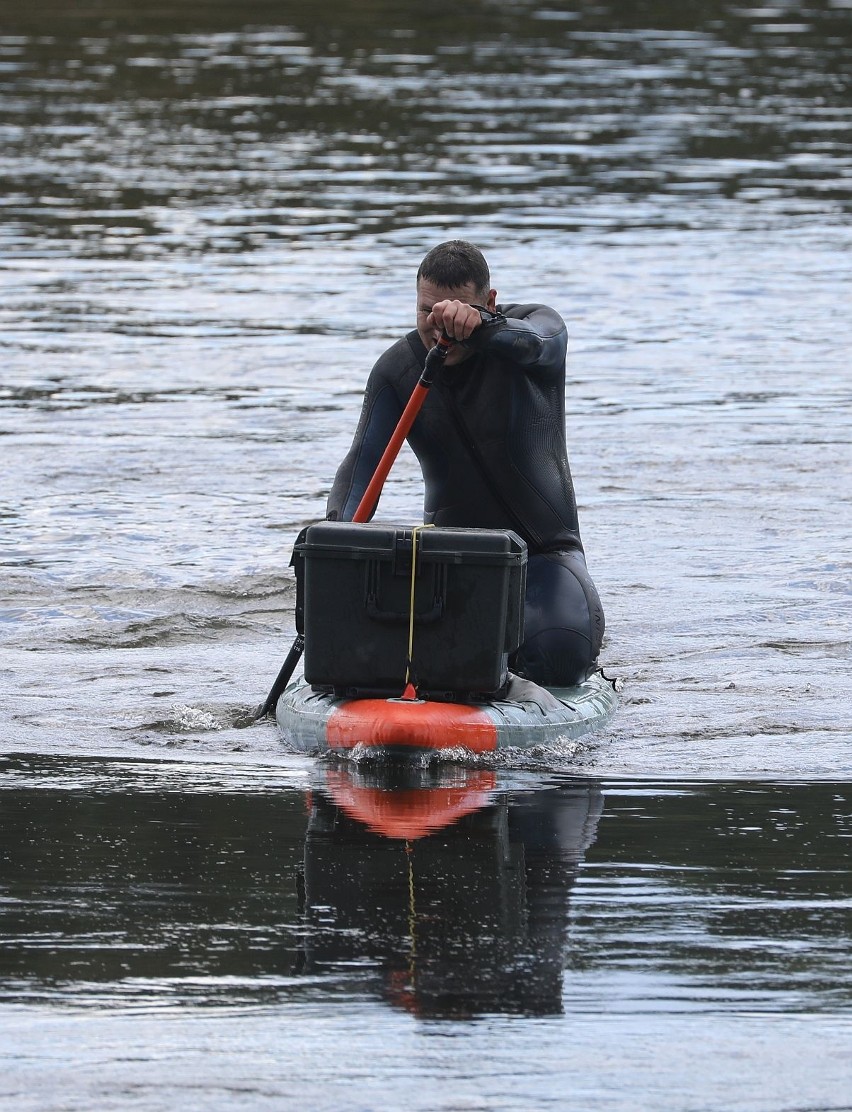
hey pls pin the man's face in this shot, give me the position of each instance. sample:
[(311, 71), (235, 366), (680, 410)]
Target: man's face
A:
[(429, 295)]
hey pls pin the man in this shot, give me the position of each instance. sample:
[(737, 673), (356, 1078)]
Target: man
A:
[(490, 439)]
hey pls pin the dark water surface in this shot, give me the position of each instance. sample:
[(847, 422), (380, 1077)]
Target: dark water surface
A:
[(504, 940), (210, 217)]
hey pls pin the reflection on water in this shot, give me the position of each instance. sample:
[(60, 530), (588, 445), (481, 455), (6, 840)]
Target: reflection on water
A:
[(163, 931), (122, 890), (435, 889), (449, 892), (470, 919)]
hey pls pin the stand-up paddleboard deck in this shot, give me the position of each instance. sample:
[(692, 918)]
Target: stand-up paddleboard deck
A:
[(317, 722)]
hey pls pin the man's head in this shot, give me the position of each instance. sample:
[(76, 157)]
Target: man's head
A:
[(455, 264), (452, 271)]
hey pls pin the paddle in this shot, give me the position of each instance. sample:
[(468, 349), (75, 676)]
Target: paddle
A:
[(434, 361)]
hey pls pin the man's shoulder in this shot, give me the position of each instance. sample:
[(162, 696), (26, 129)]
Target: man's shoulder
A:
[(525, 310), (401, 357)]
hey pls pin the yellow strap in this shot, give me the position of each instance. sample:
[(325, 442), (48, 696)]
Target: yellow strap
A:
[(414, 533)]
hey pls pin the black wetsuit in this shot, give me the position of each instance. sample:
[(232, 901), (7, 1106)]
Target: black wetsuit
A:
[(490, 440)]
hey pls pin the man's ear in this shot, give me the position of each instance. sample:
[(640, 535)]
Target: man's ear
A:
[(491, 303)]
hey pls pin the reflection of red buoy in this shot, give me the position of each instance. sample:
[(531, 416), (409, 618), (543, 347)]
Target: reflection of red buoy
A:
[(402, 990), (411, 812)]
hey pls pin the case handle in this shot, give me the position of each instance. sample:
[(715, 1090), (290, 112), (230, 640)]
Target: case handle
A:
[(375, 611)]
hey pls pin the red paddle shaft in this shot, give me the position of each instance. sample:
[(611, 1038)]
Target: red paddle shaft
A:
[(434, 360)]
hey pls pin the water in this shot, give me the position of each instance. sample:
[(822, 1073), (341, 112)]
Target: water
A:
[(174, 932), (211, 217)]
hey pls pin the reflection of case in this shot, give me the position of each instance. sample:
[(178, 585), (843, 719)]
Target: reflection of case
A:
[(354, 584), (469, 919)]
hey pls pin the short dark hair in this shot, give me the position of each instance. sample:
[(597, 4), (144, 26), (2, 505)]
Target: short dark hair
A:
[(454, 264)]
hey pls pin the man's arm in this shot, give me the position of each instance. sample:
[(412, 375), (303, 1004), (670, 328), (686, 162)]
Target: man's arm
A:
[(380, 415), (531, 336)]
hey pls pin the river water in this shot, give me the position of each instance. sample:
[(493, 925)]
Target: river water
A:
[(211, 218)]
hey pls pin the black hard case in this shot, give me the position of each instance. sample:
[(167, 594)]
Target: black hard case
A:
[(353, 602)]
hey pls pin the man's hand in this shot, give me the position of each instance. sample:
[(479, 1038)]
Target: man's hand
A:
[(458, 319)]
